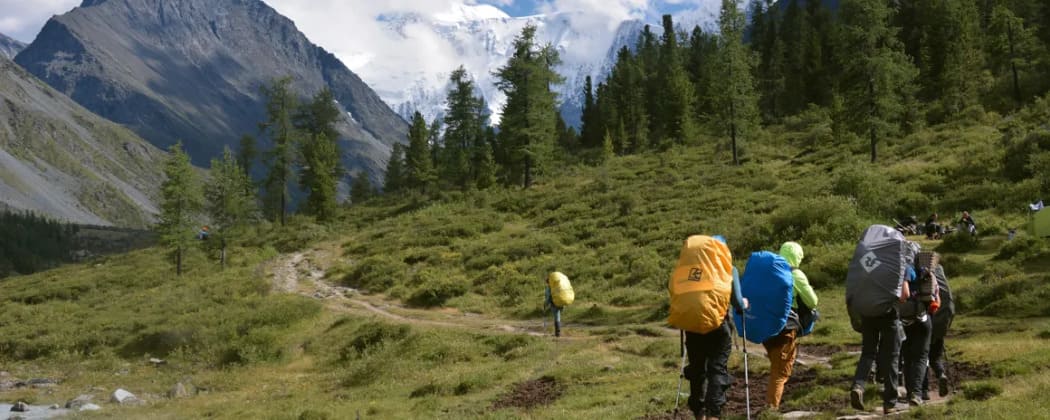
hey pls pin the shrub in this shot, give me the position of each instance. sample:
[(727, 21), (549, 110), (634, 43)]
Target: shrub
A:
[(958, 242), (376, 273), (1021, 248), (815, 221), (981, 391), (436, 289), (371, 336)]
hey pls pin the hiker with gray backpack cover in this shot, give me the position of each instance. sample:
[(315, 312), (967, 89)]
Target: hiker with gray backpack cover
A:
[(874, 286)]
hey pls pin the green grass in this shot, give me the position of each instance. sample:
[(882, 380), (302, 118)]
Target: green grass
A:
[(614, 230)]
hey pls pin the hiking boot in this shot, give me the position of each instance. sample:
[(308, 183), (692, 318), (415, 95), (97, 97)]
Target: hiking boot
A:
[(888, 409), (914, 400), (856, 398), (557, 333), (942, 385), (926, 396)]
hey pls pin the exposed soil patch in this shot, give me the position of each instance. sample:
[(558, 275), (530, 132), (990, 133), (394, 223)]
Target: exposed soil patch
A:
[(826, 350), (530, 394), (959, 372), (683, 414)]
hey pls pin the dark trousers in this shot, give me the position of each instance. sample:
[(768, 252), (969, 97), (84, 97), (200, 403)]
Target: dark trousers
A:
[(707, 372), (916, 354), (936, 361), (881, 340)]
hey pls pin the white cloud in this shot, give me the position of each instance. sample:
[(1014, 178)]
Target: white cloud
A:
[(22, 19)]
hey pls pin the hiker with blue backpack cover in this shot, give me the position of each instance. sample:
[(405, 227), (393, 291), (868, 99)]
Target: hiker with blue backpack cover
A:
[(782, 311), (783, 349), (914, 313)]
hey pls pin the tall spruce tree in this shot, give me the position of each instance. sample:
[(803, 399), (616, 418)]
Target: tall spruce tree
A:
[(527, 128), (589, 134), (394, 179), (229, 200), (877, 76), (1013, 53), (464, 131), (952, 55), (675, 115), (321, 169), (702, 66), (247, 151), (180, 205), (321, 172), (628, 120), (281, 105), (737, 100), (770, 72), (361, 189), (819, 63), (419, 165)]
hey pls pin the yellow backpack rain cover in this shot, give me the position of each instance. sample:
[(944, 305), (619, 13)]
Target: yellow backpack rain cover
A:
[(561, 289), (701, 285)]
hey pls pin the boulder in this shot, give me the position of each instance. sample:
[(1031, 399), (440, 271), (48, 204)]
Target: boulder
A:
[(80, 401), (180, 390), (123, 397), (20, 407), (89, 407)]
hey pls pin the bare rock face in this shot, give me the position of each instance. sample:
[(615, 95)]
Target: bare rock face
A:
[(60, 160), (191, 70), (10, 47)]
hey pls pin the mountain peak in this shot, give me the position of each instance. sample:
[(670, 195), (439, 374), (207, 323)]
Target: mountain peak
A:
[(468, 13), (10, 47)]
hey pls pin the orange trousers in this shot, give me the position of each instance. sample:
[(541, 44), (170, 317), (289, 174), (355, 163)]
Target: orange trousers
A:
[(781, 351)]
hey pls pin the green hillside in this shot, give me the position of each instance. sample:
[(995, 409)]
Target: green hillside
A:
[(446, 318)]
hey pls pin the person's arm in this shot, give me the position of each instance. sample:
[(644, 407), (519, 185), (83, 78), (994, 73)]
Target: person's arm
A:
[(905, 292), (737, 299), (804, 290)]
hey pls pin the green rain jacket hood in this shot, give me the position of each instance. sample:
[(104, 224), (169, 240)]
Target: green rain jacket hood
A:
[(792, 252)]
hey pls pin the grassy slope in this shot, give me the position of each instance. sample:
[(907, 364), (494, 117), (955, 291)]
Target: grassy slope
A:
[(615, 230)]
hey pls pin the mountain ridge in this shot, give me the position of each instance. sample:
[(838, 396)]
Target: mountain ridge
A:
[(10, 47), (192, 71)]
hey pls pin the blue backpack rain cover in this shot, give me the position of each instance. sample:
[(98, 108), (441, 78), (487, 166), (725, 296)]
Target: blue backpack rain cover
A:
[(769, 287)]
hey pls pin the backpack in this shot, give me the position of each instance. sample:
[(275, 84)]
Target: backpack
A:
[(876, 273), (925, 262), (561, 290), (768, 285), (807, 318), (700, 285), (942, 319)]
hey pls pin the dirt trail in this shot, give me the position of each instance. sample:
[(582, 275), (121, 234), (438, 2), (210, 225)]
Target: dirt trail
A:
[(304, 274)]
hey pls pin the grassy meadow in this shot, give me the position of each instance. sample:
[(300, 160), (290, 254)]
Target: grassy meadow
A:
[(478, 259)]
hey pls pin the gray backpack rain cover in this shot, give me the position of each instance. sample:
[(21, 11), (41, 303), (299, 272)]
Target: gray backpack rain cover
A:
[(876, 273)]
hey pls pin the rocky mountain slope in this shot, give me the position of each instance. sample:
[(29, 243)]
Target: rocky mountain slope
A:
[(10, 47), (59, 159), (191, 70)]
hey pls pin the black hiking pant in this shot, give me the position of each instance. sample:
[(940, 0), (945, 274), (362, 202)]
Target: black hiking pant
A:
[(936, 361), (916, 354), (881, 340), (707, 372)]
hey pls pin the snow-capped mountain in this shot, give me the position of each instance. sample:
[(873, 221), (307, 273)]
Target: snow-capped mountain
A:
[(481, 39)]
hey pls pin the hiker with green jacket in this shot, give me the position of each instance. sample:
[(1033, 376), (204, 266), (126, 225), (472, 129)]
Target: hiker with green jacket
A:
[(783, 349)]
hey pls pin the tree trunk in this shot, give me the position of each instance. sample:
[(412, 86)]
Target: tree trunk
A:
[(283, 203), (178, 261), (222, 254), (872, 128), (1013, 64), (528, 172)]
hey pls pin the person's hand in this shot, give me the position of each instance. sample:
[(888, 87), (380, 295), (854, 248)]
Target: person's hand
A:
[(747, 304)]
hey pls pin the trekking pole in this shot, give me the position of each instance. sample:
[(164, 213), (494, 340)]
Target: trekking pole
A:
[(681, 372), (747, 383)]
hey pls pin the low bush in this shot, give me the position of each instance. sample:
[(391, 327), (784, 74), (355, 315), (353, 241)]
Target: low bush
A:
[(435, 289)]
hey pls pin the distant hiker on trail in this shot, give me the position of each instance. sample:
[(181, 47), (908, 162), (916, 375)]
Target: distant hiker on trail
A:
[(559, 294), (942, 321), (702, 287), (914, 313), (967, 223), (933, 230), (203, 233), (874, 286), (783, 348)]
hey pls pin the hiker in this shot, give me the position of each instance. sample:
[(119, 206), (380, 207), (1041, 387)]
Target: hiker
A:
[(558, 295), (702, 287), (918, 326), (933, 230), (967, 223), (942, 321), (875, 285), (783, 348), (203, 233)]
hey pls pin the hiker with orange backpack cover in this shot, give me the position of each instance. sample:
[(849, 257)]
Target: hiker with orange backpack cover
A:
[(702, 287)]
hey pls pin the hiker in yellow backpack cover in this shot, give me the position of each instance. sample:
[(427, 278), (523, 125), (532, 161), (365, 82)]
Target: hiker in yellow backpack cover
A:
[(702, 287)]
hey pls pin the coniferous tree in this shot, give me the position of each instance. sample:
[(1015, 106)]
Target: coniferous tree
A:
[(527, 128), (180, 206), (702, 66), (737, 100), (394, 179), (793, 32), (246, 154), (952, 56), (877, 75), (281, 103), (487, 161), (767, 42), (464, 131), (319, 116), (361, 189), (588, 120), (675, 115), (419, 166), (321, 172), (648, 53), (1013, 55), (819, 61), (229, 200)]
